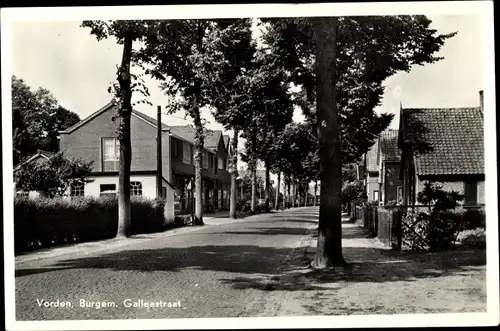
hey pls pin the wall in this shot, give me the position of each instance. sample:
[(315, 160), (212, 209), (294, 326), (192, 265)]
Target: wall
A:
[(454, 185), (372, 185), (148, 184), (85, 142), (480, 192), (391, 181)]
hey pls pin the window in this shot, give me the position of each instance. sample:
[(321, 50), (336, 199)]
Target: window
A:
[(186, 153), (175, 147), (110, 154), (135, 188), (470, 193), (400, 194), (375, 196), (108, 189), (205, 159), (221, 163), (77, 190)]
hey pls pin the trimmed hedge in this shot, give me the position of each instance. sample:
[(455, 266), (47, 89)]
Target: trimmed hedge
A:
[(41, 223)]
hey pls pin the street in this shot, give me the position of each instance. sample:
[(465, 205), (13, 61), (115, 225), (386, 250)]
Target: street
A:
[(208, 272)]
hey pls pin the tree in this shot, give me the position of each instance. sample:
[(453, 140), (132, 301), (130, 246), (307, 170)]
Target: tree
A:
[(362, 52), (53, 177), (36, 120), (182, 55), (229, 80), (125, 32)]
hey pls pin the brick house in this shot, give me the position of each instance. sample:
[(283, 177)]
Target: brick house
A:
[(446, 146), (216, 180), (94, 139)]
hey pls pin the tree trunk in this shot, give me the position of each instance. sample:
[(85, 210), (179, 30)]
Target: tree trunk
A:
[(329, 249), (315, 191), (267, 186), (234, 174), (125, 111), (277, 201), (198, 152), (254, 188), (298, 193)]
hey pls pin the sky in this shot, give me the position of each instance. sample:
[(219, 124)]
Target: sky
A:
[(66, 59)]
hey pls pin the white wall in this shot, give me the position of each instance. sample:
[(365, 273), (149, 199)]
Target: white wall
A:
[(148, 184)]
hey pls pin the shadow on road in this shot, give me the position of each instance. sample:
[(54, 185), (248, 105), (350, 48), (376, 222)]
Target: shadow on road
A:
[(269, 231)]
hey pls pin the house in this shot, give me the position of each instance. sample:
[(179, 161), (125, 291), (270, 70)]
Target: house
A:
[(371, 173), (446, 146), (216, 180), (94, 139), (39, 157), (389, 165)]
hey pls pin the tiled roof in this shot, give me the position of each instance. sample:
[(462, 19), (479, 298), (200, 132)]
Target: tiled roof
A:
[(388, 144), (187, 132), (455, 137), (371, 157)]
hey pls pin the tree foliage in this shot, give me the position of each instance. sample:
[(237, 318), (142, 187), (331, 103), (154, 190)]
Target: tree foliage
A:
[(369, 50), (53, 177), (36, 120)]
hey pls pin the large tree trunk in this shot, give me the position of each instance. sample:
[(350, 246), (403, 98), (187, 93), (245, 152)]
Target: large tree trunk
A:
[(198, 152), (329, 249), (277, 201), (125, 111), (234, 174), (267, 186)]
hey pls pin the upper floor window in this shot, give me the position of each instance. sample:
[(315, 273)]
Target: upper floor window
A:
[(375, 196), (77, 190), (175, 147), (186, 153), (110, 154), (221, 163), (205, 159), (400, 194), (135, 188)]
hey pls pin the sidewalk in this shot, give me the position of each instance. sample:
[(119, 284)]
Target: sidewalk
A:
[(94, 247), (379, 281)]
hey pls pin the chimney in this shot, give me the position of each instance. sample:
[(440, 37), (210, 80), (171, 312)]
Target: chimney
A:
[(481, 100)]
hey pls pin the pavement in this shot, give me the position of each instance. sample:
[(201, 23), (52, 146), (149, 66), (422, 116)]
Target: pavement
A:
[(257, 266), (186, 272)]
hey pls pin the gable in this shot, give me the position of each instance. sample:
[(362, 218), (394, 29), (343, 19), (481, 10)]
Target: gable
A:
[(453, 139)]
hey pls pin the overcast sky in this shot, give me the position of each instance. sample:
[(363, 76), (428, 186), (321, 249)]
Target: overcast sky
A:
[(65, 59)]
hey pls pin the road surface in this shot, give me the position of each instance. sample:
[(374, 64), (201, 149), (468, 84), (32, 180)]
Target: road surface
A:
[(212, 271)]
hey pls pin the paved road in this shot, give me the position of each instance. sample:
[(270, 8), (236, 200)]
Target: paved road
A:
[(215, 271)]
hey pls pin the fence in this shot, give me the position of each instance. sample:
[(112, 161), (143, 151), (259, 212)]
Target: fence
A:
[(385, 222)]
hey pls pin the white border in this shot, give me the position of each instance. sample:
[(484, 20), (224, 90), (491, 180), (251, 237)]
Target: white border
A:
[(12, 15)]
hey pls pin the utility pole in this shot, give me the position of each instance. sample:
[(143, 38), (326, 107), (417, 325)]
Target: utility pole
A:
[(158, 155)]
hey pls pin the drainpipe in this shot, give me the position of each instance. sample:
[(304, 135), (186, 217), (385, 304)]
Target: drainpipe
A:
[(158, 155)]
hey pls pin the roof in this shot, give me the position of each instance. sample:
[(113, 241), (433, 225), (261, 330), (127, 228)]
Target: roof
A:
[(454, 138), (105, 108), (187, 132), (149, 119), (388, 145), (371, 157), (40, 153)]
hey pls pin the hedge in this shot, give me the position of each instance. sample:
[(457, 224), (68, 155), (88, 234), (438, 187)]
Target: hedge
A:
[(42, 222)]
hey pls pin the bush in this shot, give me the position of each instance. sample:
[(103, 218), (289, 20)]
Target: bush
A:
[(473, 238), (44, 222)]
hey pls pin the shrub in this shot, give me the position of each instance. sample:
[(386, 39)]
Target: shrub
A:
[(473, 238), (44, 222)]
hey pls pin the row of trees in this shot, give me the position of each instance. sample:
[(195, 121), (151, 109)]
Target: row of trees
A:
[(337, 67)]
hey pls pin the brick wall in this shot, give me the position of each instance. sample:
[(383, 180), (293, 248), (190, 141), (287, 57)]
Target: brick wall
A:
[(86, 141), (481, 192), (457, 185)]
